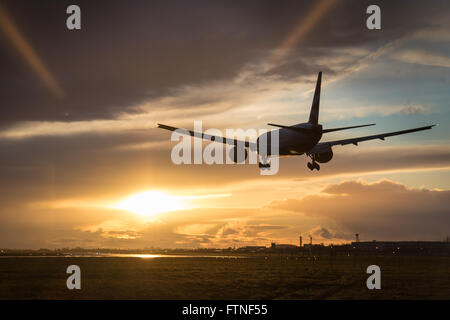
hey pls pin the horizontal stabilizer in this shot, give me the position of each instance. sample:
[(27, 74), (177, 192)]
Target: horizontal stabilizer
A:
[(345, 128), (290, 128)]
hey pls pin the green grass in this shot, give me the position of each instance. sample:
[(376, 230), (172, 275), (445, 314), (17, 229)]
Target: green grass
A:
[(258, 277)]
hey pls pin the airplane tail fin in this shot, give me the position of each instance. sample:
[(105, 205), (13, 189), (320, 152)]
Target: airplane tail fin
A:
[(314, 114)]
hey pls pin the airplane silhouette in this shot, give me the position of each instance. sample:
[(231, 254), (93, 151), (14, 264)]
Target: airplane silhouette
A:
[(298, 139)]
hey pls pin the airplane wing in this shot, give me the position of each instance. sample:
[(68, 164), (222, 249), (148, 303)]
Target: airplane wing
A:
[(320, 147), (251, 145)]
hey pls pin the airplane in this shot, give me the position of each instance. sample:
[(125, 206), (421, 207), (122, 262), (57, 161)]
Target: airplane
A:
[(298, 139)]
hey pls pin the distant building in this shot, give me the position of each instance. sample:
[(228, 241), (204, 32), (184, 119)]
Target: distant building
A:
[(403, 247), (252, 248), (308, 245), (275, 247), (285, 246)]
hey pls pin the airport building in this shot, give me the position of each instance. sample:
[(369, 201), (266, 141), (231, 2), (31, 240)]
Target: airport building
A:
[(252, 248), (357, 247), (403, 247)]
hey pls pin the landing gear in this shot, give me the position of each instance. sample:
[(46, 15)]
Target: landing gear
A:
[(264, 164), (313, 164)]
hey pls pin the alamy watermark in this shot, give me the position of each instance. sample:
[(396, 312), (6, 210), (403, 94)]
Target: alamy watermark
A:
[(73, 21), (374, 280), (74, 280), (258, 146)]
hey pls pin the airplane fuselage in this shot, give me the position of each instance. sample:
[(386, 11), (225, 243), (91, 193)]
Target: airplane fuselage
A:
[(295, 142)]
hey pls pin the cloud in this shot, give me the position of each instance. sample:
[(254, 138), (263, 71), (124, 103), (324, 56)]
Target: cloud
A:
[(434, 33), (422, 57), (179, 79), (173, 44), (89, 169), (35, 227), (383, 210), (326, 235), (321, 232), (363, 111), (410, 110), (226, 233)]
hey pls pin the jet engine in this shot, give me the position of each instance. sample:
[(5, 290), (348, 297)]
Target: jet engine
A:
[(323, 156), (238, 155)]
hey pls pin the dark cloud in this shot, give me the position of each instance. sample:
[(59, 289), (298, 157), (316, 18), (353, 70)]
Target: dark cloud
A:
[(382, 210), (322, 232), (126, 54)]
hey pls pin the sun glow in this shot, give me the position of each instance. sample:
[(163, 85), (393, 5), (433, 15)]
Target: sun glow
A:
[(150, 203)]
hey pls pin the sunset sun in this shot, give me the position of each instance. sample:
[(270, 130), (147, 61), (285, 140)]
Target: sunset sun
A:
[(150, 203)]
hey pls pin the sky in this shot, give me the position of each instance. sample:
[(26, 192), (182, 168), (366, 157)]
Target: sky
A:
[(83, 164)]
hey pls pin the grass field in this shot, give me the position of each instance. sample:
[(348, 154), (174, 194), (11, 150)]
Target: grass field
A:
[(259, 277)]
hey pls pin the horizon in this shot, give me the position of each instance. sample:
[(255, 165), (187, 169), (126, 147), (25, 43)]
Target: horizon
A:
[(446, 240)]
